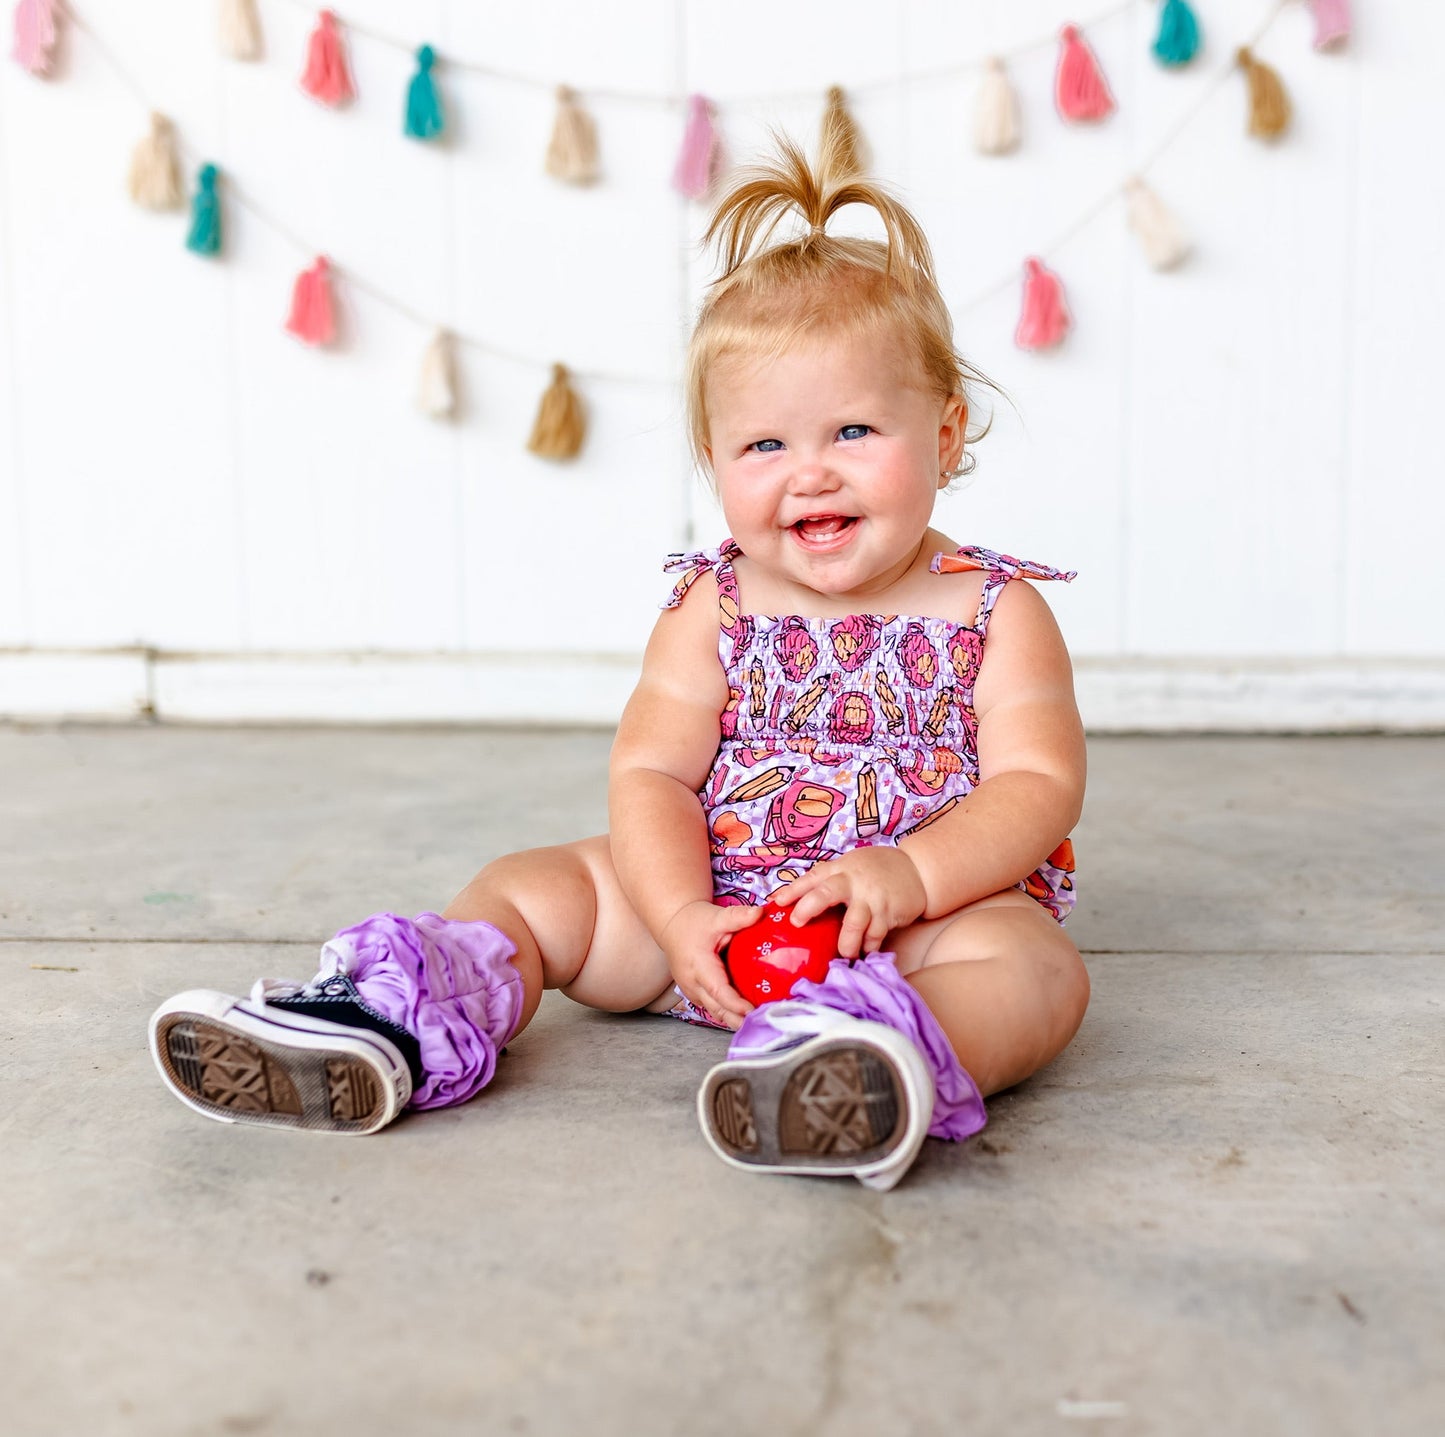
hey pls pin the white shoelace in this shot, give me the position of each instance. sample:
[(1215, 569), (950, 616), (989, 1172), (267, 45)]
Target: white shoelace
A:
[(336, 958)]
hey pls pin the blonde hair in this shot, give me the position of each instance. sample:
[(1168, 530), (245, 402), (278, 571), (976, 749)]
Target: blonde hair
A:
[(768, 297)]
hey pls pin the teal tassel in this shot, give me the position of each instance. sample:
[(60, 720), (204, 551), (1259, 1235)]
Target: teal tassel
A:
[(423, 104), (205, 232), (1178, 34)]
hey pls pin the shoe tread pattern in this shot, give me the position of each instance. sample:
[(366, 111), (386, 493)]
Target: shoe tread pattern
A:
[(252, 1081), (842, 1103), (732, 1115)]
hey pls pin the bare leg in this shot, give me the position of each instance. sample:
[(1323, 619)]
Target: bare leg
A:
[(573, 926), (1003, 980)]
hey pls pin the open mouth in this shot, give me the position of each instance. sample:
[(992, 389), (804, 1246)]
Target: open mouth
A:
[(822, 530)]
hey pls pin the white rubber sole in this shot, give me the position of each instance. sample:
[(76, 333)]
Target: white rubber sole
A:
[(244, 1062), (854, 1102)]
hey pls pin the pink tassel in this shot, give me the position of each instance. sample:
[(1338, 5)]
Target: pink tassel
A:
[(313, 317), (1080, 90), (327, 77), (34, 35), (1045, 319), (1332, 22), (701, 156)]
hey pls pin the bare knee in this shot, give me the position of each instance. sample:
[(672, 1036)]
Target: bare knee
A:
[(544, 899), (565, 906), (1070, 988)]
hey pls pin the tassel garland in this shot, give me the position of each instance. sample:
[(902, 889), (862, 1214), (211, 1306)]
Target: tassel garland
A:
[(35, 35), (1269, 111), (423, 104), (572, 151), (1080, 90), (996, 117), (436, 391), (1164, 243), (313, 314), (1045, 319), (1332, 22), (1081, 93), (701, 159), (561, 425), (204, 236), (155, 170), (240, 30), (327, 76), (852, 152), (1178, 38)]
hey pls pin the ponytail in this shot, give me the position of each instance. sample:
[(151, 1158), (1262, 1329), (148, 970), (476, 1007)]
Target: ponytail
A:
[(765, 194)]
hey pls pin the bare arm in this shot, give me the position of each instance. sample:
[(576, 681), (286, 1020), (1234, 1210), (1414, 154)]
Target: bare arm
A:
[(1031, 763), (665, 745), (1031, 789)]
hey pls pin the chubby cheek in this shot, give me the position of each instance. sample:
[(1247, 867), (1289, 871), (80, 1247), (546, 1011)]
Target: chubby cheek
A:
[(747, 509)]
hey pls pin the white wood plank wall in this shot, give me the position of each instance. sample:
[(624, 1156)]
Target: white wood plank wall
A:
[(201, 518)]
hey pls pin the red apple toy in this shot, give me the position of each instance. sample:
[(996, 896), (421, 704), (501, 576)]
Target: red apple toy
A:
[(764, 961)]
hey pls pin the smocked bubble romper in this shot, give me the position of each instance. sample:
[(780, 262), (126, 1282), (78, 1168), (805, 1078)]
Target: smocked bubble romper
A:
[(839, 733)]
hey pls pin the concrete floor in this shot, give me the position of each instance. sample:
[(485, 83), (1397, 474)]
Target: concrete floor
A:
[(1221, 1211)]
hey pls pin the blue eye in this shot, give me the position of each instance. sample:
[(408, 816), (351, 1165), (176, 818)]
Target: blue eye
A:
[(854, 431), (767, 446)]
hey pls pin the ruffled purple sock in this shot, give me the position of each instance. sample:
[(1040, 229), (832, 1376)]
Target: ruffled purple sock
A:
[(449, 983), (873, 988)]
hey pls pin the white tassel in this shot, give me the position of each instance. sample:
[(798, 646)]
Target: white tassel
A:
[(436, 392), (996, 118), (1164, 243), (155, 169), (240, 30)]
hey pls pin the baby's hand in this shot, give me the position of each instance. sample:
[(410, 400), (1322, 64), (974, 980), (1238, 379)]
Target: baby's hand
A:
[(880, 888), (693, 942)]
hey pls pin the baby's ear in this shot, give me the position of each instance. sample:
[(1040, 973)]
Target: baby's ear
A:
[(952, 426)]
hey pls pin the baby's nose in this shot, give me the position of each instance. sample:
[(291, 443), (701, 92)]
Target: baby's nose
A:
[(812, 477)]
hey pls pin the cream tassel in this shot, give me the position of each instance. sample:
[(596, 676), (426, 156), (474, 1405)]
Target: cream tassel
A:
[(1164, 243), (572, 154), (996, 118), (155, 170), (240, 30), (561, 425), (436, 391)]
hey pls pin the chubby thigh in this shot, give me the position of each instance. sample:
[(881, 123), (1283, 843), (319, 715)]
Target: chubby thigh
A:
[(623, 968)]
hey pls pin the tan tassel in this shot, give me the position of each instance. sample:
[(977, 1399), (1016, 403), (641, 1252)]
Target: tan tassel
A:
[(996, 118), (561, 425), (240, 30), (155, 169), (1164, 242), (1269, 110), (852, 151), (572, 154), (436, 391)]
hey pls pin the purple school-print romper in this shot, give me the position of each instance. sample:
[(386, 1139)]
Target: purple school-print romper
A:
[(845, 732)]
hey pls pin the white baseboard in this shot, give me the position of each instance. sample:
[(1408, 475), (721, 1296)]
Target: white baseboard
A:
[(1115, 695)]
